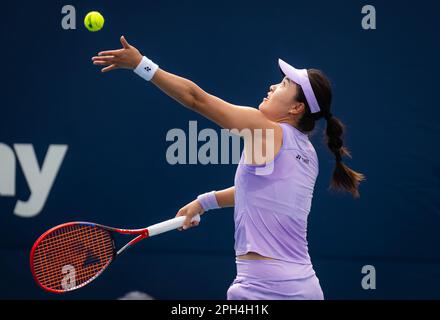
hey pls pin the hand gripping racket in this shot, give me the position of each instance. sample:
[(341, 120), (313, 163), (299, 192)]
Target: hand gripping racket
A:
[(71, 255)]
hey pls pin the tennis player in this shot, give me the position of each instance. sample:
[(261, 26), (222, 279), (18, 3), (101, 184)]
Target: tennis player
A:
[(271, 210)]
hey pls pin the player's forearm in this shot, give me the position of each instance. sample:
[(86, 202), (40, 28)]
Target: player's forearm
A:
[(225, 198), (180, 89)]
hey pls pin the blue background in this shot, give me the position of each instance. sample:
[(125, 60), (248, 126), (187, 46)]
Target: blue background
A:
[(115, 171)]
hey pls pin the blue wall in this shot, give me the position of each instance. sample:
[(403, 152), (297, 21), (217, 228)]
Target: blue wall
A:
[(115, 171)]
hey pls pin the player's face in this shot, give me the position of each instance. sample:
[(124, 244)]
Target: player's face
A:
[(280, 99)]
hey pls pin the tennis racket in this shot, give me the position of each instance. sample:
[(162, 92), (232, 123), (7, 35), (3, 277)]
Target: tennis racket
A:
[(73, 254)]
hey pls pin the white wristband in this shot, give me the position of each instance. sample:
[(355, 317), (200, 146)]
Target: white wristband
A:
[(146, 69), (208, 201)]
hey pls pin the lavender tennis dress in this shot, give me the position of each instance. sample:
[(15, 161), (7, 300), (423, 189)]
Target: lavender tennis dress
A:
[(271, 211)]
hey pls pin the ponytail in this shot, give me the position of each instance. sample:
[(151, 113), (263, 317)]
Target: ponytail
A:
[(343, 177)]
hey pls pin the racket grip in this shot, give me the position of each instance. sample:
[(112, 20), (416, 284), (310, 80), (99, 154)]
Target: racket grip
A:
[(169, 225)]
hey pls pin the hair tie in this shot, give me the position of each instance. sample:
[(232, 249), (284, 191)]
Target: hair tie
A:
[(328, 116), (338, 157)]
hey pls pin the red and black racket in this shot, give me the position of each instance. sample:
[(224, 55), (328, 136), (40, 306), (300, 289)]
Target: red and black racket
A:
[(71, 255)]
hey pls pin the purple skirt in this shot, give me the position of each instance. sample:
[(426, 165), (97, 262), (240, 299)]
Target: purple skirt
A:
[(274, 280)]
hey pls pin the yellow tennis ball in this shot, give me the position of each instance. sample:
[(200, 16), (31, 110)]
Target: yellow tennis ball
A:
[(94, 21)]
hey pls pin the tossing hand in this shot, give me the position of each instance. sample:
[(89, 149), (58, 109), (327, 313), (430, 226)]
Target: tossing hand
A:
[(126, 58)]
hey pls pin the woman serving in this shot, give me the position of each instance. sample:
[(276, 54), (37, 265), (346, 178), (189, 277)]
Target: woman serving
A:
[(271, 207)]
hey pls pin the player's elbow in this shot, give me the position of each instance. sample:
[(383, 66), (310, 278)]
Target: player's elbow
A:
[(199, 98)]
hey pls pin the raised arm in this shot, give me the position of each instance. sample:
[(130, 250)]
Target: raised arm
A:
[(224, 114), (187, 93)]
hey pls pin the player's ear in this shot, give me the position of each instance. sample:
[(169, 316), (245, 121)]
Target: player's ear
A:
[(296, 108), (124, 43)]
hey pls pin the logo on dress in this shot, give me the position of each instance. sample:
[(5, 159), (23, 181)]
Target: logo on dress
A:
[(300, 157)]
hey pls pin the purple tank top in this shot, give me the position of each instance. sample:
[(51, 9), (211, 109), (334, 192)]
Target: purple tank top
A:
[(271, 210)]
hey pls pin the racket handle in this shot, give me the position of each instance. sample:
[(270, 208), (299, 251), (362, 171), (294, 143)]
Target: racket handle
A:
[(168, 225)]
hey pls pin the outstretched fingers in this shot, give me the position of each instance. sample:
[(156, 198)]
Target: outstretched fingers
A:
[(124, 43), (103, 58), (108, 61), (102, 63), (110, 52), (109, 68)]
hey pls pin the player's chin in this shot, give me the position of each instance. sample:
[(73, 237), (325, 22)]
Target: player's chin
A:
[(263, 105)]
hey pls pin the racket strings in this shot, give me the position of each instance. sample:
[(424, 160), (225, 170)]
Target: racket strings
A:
[(71, 256)]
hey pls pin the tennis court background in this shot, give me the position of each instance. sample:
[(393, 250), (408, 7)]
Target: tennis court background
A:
[(115, 170)]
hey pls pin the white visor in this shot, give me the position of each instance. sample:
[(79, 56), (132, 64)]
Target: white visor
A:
[(300, 77)]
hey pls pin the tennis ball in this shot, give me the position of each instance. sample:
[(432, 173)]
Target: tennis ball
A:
[(94, 21)]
